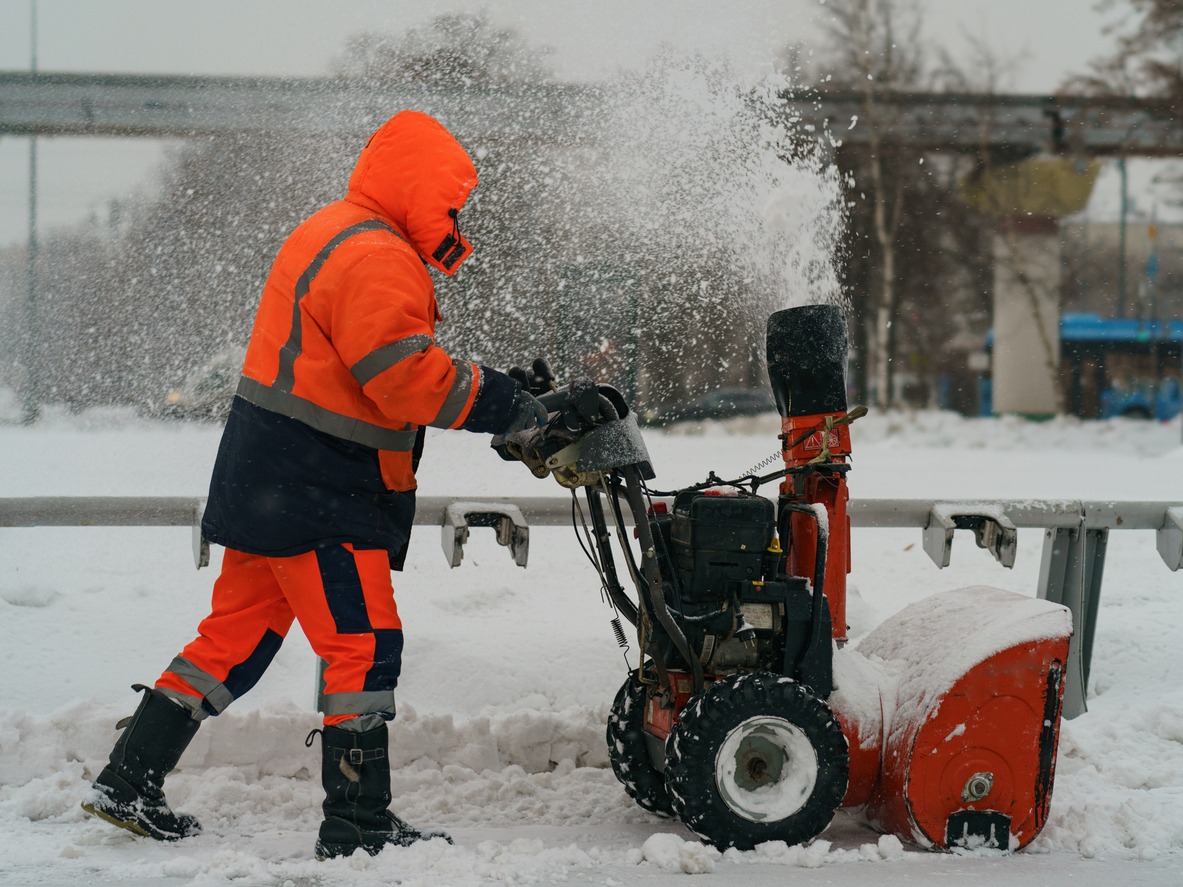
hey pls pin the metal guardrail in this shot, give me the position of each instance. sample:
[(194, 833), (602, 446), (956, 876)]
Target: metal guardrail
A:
[(1076, 534)]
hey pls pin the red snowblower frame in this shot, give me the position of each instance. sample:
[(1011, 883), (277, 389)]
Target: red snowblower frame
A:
[(752, 717)]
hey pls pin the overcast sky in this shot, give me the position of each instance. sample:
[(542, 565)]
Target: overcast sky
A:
[(1043, 41), (1048, 37)]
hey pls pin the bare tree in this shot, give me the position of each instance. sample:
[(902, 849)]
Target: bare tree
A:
[(877, 51), (1149, 55), (921, 261)]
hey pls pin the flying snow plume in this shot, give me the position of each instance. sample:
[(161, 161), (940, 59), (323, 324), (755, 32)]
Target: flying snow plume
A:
[(706, 165), (685, 207)]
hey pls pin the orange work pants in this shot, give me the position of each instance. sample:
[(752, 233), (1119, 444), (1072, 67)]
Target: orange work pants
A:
[(344, 602)]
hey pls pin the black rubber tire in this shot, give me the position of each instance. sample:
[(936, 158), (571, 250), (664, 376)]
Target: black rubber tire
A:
[(628, 751), (742, 713)]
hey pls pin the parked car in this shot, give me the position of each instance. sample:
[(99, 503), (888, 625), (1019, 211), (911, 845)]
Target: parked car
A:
[(723, 403), (205, 394)]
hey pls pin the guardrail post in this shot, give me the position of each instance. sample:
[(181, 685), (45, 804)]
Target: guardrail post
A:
[(1170, 538), (1070, 574), (200, 543)]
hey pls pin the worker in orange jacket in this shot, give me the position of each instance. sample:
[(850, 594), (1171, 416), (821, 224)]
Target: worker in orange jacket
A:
[(313, 490)]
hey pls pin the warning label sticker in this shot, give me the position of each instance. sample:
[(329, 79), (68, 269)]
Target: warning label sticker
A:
[(814, 441)]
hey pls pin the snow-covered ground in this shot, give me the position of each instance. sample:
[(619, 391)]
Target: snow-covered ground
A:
[(509, 672)]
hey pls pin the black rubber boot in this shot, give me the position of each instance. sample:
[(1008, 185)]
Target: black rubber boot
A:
[(129, 792), (355, 771)]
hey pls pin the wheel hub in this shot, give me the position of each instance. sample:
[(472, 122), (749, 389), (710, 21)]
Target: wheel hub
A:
[(760, 762), (766, 769)]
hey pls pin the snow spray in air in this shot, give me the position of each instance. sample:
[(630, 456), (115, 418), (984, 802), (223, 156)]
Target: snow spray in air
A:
[(712, 199), (724, 166)]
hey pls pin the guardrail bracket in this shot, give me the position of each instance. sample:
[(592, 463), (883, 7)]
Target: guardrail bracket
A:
[(992, 530), (504, 518)]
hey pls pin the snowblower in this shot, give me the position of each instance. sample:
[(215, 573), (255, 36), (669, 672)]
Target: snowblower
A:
[(750, 717)]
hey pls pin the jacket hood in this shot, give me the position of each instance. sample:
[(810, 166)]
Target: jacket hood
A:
[(415, 173)]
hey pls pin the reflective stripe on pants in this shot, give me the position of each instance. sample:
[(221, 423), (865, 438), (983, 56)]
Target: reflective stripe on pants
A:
[(344, 602)]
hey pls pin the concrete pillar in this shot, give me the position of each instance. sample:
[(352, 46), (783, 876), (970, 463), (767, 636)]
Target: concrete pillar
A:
[(1026, 354)]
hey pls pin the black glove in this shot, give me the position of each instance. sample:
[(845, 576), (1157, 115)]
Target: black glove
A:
[(526, 413), (538, 380)]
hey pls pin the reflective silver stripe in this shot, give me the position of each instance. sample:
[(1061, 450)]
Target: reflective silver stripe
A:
[(457, 397), (336, 424), (285, 380), (211, 689), (191, 704), (381, 359), (377, 702)]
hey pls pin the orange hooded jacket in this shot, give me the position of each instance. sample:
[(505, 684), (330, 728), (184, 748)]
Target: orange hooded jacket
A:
[(342, 370)]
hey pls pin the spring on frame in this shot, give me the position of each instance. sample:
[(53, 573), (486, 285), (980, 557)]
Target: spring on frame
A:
[(618, 630)]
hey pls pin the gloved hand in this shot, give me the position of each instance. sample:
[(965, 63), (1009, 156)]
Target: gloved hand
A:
[(538, 380), (526, 413)]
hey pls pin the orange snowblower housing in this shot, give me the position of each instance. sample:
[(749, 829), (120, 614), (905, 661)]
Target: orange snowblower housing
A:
[(342, 371)]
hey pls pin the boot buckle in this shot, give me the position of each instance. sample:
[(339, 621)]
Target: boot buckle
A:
[(356, 756)]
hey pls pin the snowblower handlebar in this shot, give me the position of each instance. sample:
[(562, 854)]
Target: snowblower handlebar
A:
[(590, 430)]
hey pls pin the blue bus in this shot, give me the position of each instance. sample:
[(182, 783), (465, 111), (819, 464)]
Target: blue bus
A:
[(1115, 367)]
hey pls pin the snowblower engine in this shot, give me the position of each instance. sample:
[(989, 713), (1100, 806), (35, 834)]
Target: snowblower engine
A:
[(734, 721), (726, 587)]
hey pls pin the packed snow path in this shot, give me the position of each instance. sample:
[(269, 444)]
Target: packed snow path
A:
[(509, 674)]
